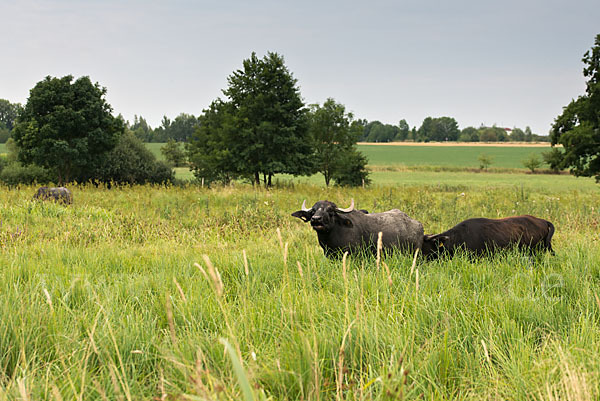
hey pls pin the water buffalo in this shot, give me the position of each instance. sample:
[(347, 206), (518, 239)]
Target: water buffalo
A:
[(481, 235), (59, 194), (341, 230)]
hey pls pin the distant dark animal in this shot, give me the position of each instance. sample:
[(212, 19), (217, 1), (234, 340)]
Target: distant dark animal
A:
[(341, 230), (58, 194), (482, 236)]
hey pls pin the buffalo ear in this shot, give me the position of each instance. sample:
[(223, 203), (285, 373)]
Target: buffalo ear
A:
[(303, 214), (437, 239), (344, 220)]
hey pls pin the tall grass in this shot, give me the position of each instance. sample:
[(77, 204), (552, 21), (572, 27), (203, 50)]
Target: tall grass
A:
[(195, 293)]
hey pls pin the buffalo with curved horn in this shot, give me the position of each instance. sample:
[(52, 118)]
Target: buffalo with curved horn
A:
[(340, 230)]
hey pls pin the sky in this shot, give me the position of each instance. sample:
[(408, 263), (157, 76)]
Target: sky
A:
[(513, 63)]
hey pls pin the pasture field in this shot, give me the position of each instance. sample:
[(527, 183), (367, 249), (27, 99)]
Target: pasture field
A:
[(460, 156), (448, 156), (188, 293), (390, 163)]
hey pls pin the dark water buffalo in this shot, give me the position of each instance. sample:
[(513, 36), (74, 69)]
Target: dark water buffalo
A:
[(482, 235), (341, 230), (59, 194)]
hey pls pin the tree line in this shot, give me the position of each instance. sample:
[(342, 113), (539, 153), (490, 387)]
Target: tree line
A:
[(66, 132), (261, 127), (444, 129)]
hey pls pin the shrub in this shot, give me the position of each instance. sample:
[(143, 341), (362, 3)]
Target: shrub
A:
[(130, 162), (485, 161), (554, 158), (351, 170), (14, 173), (532, 162)]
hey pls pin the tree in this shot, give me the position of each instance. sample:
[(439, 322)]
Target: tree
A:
[(528, 134), (173, 153), (485, 161), (209, 149), (67, 127), (376, 131), (141, 129), (578, 127), (182, 127), (517, 135), (270, 120), (469, 134), (403, 131), (438, 129), (532, 162), (9, 112), (334, 135)]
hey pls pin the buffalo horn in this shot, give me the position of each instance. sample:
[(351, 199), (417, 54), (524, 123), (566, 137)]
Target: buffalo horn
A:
[(348, 210), (304, 208)]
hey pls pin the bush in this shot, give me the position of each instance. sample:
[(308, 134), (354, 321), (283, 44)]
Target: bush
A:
[(485, 161), (554, 158), (130, 162), (352, 170), (532, 162), (14, 173)]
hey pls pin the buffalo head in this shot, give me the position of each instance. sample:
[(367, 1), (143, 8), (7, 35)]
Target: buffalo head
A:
[(433, 245), (324, 215)]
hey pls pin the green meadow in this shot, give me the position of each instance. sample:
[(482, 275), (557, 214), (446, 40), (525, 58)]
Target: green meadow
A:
[(508, 157), (448, 156), (189, 293), (193, 293)]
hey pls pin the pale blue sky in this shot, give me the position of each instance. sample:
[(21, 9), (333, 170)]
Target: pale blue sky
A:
[(510, 63)]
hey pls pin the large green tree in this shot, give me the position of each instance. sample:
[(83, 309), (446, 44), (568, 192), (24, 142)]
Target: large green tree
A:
[(209, 149), (577, 129), (67, 127), (334, 134), (270, 120), (438, 129)]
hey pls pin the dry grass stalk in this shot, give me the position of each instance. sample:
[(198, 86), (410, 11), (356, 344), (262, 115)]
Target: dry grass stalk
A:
[(574, 385), (163, 394), (180, 290), (340, 367), (379, 247), (100, 390), (279, 237), (56, 393), (115, 382), (285, 254), (300, 269), (486, 353), (23, 389), (344, 266), (417, 281), (201, 270), (48, 299), (246, 270), (414, 263), (389, 276), (214, 275)]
